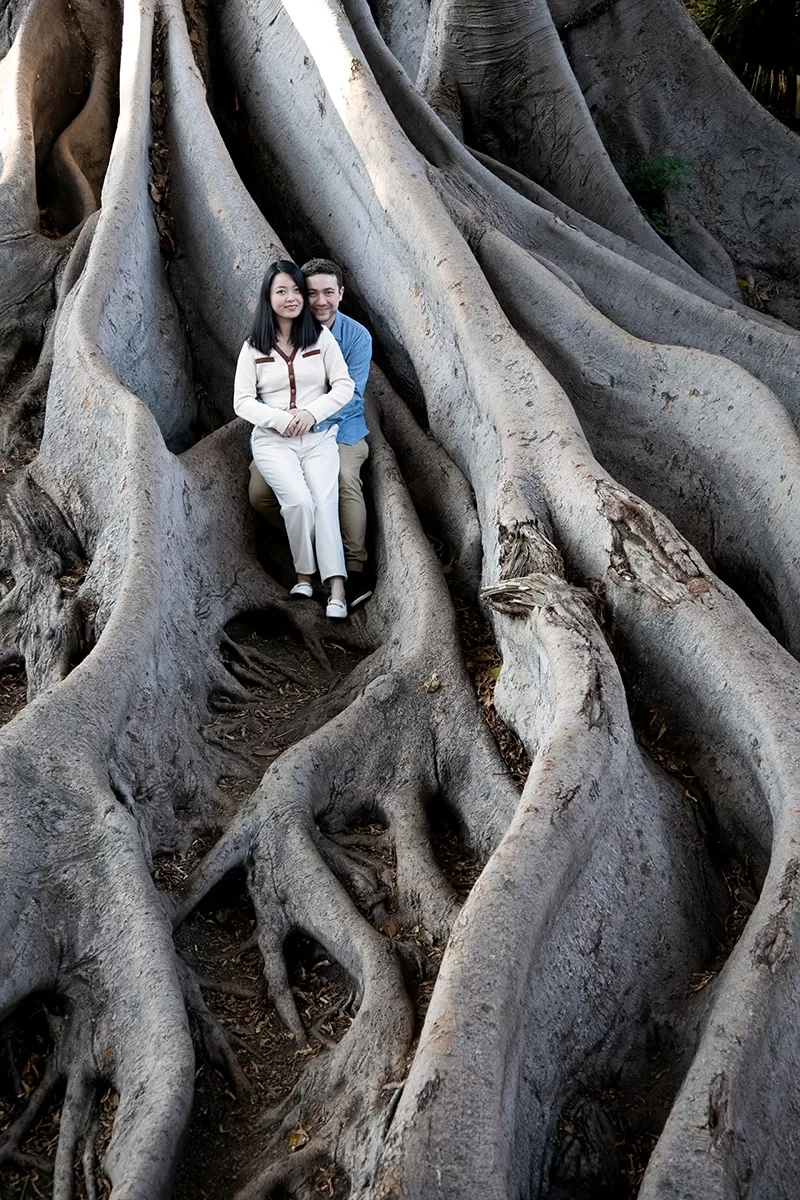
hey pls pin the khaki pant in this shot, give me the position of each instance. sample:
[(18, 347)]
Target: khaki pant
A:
[(352, 509)]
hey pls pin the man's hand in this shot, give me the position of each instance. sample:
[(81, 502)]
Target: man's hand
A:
[(301, 422)]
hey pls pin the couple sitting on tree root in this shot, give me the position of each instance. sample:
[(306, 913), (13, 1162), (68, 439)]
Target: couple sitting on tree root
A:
[(300, 382)]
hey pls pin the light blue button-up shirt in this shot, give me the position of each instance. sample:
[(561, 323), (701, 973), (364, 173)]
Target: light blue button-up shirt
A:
[(356, 346)]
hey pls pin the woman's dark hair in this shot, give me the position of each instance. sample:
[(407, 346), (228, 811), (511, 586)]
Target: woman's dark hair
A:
[(305, 327)]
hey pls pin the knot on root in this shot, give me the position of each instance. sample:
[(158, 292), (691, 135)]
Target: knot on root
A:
[(718, 1110), (774, 943), (518, 597), (647, 548), (526, 550)]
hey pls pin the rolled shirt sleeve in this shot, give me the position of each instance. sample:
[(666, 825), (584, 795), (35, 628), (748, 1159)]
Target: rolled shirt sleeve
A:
[(245, 397), (341, 385)]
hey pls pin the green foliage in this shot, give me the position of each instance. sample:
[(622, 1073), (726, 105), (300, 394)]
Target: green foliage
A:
[(650, 181), (760, 41)]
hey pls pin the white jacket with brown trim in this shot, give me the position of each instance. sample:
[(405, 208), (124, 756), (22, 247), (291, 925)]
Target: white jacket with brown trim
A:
[(268, 388)]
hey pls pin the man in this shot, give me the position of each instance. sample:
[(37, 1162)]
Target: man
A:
[(325, 292)]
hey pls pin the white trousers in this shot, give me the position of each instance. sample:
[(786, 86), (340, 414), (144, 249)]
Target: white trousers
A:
[(303, 472)]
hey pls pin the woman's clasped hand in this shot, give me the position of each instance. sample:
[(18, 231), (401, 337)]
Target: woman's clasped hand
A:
[(301, 422)]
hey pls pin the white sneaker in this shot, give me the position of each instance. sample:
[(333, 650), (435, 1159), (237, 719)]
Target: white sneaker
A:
[(302, 589), (337, 609)]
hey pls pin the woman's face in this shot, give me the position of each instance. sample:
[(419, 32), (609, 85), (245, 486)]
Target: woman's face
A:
[(285, 296)]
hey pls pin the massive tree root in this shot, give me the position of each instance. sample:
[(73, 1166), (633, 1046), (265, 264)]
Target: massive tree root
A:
[(409, 736), (660, 418), (56, 140), (734, 192), (566, 1016), (500, 77), (98, 769)]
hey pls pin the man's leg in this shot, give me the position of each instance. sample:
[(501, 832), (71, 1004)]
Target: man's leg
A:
[(352, 509), (263, 499)]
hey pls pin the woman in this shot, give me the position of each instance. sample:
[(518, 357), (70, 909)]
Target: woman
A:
[(290, 375)]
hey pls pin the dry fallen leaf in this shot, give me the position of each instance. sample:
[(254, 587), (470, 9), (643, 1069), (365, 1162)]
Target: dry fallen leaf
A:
[(298, 1138), (433, 684)]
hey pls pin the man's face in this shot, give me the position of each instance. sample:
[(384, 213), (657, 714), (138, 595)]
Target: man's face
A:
[(324, 297)]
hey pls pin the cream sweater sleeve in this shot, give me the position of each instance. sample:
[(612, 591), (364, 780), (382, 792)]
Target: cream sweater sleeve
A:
[(245, 396), (338, 376)]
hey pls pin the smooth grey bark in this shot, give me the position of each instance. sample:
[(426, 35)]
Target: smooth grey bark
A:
[(499, 76), (646, 568), (46, 131), (599, 900), (93, 767), (642, 293), (668, 94), (660, 418), (403, 25)]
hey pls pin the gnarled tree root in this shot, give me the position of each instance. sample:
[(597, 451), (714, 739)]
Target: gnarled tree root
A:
[(288, 834), (585, 914)]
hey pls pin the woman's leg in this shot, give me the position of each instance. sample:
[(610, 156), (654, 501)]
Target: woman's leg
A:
[(277, 460), (263, 499), (320, 462)]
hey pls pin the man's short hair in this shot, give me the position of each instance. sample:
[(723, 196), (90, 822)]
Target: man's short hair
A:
[(323, 266)]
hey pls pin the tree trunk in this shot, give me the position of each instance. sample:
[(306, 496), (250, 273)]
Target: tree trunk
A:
[(596, 436), (670, 95)]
